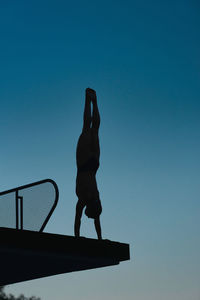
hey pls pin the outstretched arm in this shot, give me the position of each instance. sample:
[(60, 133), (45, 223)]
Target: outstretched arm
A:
[(77, 223), (98, 227)]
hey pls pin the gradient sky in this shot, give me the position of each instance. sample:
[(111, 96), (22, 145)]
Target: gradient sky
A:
[(142, 58)]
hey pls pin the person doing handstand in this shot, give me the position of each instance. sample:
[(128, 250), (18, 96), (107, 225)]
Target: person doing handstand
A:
[(87, 160)]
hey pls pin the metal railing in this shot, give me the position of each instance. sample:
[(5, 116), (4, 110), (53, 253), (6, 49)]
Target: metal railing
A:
[(34, 205)]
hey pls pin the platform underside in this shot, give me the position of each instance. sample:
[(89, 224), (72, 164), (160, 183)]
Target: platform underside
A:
[(26, 255)]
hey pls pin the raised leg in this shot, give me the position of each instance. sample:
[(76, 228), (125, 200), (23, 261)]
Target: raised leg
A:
[(95, 127), (95, 113), (87, 118), (95, 117)]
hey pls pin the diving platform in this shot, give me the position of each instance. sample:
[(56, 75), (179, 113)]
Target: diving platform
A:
[(27, 255)]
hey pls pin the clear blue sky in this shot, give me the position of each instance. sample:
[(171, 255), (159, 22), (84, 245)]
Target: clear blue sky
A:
[(142, 58)]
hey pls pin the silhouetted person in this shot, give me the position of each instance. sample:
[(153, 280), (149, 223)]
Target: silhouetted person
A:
[(87, 159)]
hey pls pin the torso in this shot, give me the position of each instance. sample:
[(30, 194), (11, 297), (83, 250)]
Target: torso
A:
[(86, 185), (88, 149), (87, 159)]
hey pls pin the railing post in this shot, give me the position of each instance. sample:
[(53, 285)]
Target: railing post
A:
[(17, 209), (17, 198), (21, 212)]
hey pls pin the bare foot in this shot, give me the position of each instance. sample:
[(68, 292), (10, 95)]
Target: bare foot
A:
[(91, 94)]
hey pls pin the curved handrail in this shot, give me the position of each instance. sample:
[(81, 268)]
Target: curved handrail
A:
[(17, 189)]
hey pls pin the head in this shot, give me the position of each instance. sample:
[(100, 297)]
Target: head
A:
[(93, 208)]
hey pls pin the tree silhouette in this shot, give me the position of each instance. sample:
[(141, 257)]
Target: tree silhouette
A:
[(4, 296)]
